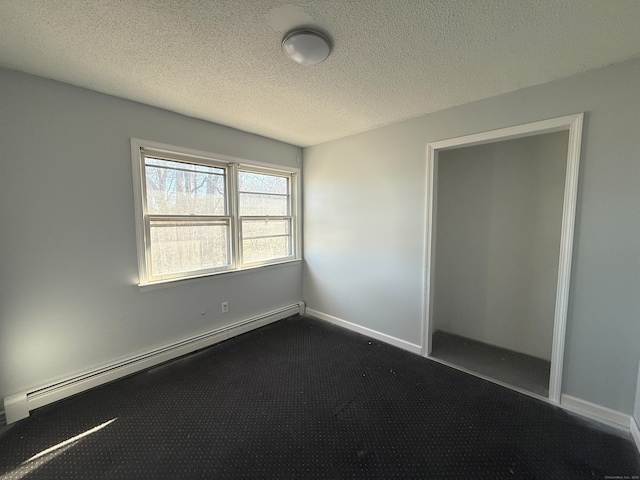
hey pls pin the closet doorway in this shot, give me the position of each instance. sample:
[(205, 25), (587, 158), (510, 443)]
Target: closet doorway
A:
[(499, 234)]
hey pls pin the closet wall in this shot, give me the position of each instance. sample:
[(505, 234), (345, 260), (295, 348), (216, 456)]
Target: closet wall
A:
[(499, 215)]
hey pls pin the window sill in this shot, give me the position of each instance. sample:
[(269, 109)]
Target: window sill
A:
[(145, 287)]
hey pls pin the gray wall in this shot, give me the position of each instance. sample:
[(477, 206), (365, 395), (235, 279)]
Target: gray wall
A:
[(499, 217), (68, 270), (365, 208)]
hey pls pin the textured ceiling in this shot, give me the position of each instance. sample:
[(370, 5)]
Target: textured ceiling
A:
[(220, 60)]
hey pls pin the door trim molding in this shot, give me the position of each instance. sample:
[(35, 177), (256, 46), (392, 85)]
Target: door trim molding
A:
[(572, 123)]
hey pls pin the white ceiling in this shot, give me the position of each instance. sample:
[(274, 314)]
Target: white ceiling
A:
[(220, 60)]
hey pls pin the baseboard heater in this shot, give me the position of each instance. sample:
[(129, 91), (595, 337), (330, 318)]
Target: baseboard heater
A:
[(18, 406)]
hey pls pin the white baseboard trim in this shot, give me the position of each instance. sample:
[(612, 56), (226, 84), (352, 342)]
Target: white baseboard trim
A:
[(383, 337), (595, 412), (635, 432), (18, 406)]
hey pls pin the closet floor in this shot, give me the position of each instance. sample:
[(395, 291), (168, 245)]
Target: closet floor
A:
[(516, 369)]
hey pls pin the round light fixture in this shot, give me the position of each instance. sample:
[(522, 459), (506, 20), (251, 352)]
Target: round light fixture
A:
[(306, 47)]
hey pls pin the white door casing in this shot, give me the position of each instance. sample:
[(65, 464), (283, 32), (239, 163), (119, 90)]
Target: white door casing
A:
[(572, 123)]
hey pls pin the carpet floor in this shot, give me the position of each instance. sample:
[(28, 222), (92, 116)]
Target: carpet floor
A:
[(516, 369), (300, 399)]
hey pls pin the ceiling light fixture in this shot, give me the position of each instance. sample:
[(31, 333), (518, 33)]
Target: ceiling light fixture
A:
[(306, 47)]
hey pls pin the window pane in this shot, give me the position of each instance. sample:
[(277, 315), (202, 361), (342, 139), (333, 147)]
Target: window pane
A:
[(264, 228), (261, 183), (263, 204), (187, 246), (261, 249), (176, 188)]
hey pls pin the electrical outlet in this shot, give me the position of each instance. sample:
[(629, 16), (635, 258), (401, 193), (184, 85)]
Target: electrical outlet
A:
[(225, 307)]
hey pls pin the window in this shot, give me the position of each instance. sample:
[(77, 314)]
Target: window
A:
[(201, 215)]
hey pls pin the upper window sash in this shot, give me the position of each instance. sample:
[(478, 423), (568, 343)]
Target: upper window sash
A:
[(174, 187)]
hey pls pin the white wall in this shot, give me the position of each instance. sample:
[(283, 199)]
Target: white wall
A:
[(364, 207), (68, 270), (499, 220)]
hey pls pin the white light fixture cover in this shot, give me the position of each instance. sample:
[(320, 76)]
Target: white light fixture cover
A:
[(306, 47)]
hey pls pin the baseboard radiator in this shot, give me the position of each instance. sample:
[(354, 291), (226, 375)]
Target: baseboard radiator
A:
[(18, 406)]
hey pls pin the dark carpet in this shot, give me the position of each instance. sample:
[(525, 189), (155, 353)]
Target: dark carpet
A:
[(303, 399), (516, 369)]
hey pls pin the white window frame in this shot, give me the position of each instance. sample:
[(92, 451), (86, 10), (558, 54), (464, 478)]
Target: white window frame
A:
[(232, 166), (290, 217)]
